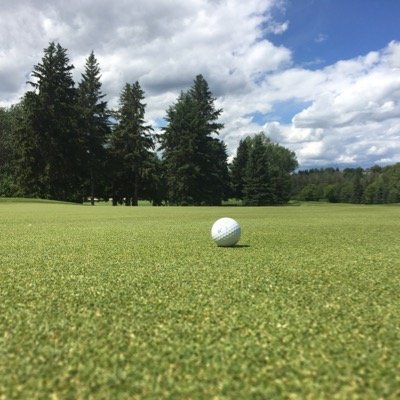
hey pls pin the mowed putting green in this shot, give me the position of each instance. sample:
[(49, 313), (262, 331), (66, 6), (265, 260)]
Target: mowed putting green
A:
[(138, 303)]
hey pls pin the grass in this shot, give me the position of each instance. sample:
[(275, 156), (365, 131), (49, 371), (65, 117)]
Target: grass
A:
[(138, 303)]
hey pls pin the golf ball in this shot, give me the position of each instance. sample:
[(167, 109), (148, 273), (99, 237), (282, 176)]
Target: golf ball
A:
[(225, 232)]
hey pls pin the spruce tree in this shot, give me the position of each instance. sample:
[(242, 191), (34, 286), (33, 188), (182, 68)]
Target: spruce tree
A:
[(207, 114), (6, 148), (29, 156), (261, 171), (358, 187), (196, 162), (238, 167), (5, 138), (7, 151), (132, 144), (217, 185), (211, 153), (257, 188), (282, 163), (49, 152), (94, 128), (180, 145), (154, 181)]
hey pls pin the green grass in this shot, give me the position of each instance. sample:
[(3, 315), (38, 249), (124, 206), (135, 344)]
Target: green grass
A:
[(138, 303)]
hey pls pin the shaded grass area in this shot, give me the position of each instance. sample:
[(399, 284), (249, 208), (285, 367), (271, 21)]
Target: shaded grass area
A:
[(138, 303), (30, 200)]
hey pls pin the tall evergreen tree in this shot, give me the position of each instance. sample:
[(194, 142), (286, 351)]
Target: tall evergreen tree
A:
[(154, 182), (257, 189), (207, 114), (180, 147), (196, 162), (238, 167), (8, 118), (5, 138), (132, 144), (211, 153), (261, 171), (218, 181), (282, 163), (94, 127), (49, 153)]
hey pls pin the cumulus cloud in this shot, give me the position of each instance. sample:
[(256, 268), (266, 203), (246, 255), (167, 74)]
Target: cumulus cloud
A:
[(162, 44), (351, 108), (353, 112)]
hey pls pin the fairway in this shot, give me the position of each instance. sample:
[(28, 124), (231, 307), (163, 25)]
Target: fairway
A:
[(138, 303)]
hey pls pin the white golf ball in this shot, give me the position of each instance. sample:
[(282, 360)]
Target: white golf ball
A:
[(225, 232)]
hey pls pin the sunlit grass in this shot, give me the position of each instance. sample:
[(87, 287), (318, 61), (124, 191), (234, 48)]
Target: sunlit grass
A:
[(138, 303)]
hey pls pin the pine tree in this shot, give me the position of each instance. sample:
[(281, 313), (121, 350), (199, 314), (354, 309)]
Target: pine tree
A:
[(263, 169), (358, 187), (238, 167), (180, 146), (6, 149), (217, 186), (211, 152), (94, 127), (29, 156), (7, 153), (132, 145), (257, 188), (154, 181), (49, 153), (207, 114), (282, 163), (196, 162)]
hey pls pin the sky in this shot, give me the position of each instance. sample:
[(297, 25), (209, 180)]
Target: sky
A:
[(320, 77)]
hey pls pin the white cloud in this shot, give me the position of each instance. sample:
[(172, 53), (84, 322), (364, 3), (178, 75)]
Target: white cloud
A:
[(161, 43), (277, 28), (353, 106), (359, 102), (354, 115), (321, 38)]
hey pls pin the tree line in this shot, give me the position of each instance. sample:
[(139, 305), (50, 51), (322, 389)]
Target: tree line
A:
[(62, 142), (375, 185)]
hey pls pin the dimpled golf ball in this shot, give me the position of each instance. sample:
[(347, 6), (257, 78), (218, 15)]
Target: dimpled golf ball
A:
[(225, 232)]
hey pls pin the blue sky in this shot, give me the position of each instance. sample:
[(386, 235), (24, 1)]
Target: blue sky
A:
[(322, 32), (320, 77)]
